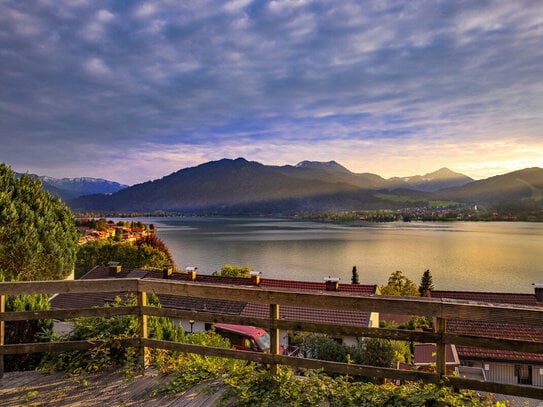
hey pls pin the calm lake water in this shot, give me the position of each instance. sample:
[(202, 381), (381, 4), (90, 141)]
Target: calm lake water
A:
[(495, 256)]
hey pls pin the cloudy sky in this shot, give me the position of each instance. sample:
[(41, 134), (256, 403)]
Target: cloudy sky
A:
[(134, 90)]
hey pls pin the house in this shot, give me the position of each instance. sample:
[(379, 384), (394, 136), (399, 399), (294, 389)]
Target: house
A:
[(500, 366), (242, 308)]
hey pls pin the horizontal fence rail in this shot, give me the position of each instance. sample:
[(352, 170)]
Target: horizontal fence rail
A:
[(440, 309)]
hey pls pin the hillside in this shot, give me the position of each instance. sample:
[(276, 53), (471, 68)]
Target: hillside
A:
[(69, 188), (517, 185), (246, 187), (435, 181), (240, 186)]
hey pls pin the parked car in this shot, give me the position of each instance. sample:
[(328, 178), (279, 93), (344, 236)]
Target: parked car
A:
[(245, 337)]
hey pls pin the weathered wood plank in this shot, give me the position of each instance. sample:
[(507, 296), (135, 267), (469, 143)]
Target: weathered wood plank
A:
[(343, 368), (322, 300), (206, 316), (69, 313), (518, 314), (440, 348), (103, 388), (106, 285), (2, 332), (361, 332), (19, 348), (143, 334), (494, 343)]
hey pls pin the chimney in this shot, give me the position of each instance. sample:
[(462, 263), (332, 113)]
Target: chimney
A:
[(114, 268), (191, 273), (255, 277), (167, 271), (331, 283), (538, 288)]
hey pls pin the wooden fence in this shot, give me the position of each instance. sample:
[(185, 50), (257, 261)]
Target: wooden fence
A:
[(439, 309)]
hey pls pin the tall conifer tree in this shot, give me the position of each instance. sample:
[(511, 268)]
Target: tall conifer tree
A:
[(38, 239), (426, 283)]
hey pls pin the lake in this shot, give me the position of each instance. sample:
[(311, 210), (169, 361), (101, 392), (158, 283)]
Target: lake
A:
[(472, 256)]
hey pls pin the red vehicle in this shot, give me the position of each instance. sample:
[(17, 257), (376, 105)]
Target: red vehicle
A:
[(245, 337)]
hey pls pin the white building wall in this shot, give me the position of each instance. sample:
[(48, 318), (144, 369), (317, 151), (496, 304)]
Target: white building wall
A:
[(501, 372)]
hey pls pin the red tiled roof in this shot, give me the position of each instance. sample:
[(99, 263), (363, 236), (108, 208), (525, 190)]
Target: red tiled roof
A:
[(506, 330), (471, 353)]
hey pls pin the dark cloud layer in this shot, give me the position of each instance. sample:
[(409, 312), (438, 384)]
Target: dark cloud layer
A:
[(135, 90)]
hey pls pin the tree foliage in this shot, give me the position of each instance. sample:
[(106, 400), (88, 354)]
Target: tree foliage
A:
[(398, 284), (426, 283), (229, 270), (369, 351), (152, 240), (38, 239), (377, 352), (323, 347), (26, 331), (355, 279), (257, 388), (108, 329), (100, 252)]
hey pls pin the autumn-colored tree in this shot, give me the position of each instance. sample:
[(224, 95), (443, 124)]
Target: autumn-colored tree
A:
[(152, 240), (398, 284)]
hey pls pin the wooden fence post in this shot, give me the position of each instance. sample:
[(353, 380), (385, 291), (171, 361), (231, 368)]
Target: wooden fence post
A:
[(144, 352), (274, 335), (441, 354), (2, 333)]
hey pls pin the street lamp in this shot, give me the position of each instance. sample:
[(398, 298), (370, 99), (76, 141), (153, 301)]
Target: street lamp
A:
[(191, 322)]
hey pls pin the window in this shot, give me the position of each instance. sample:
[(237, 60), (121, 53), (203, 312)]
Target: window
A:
[(524, 374)]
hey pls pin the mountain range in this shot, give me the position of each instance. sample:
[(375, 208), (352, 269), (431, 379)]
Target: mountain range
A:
[(247, 187), (70, 188)]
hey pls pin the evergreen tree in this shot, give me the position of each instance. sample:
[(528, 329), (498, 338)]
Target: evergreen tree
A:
[(26, 331), (426, 283), (377, 352), (38, 239), (355, 279)]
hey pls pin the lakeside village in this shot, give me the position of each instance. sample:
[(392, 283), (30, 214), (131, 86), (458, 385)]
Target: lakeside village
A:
[(122, 231), (434, 211)]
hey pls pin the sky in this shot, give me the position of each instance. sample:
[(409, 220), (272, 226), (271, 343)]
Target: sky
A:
[(132, 91)]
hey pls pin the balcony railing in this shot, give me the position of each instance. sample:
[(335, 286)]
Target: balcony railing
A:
[(439, 309)]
